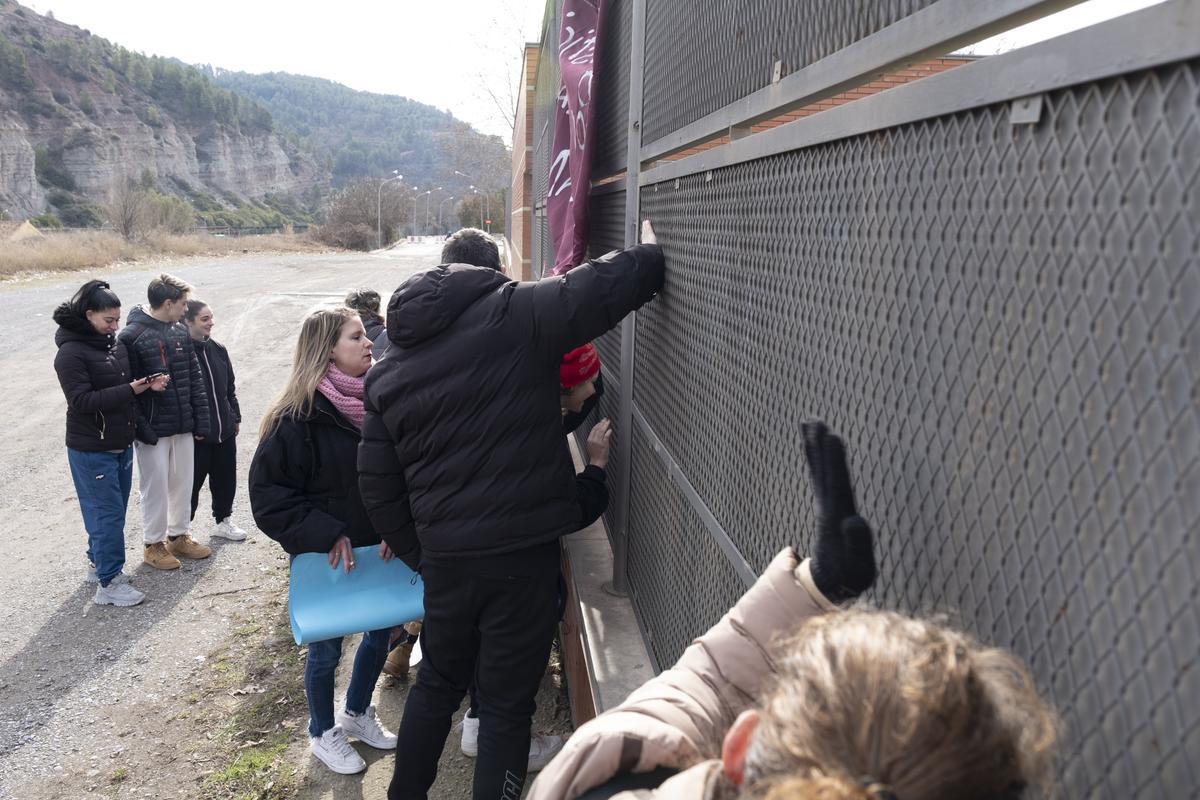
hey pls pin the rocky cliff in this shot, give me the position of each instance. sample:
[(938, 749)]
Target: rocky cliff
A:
[(79, 114)]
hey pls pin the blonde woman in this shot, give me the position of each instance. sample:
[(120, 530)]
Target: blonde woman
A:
[(304, 495), (790, 698)]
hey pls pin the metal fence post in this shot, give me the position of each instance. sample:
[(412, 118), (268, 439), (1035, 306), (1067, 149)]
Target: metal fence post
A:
[(633, 161)]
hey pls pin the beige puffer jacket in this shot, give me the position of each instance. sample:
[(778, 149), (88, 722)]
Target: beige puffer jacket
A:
[(679, 719)]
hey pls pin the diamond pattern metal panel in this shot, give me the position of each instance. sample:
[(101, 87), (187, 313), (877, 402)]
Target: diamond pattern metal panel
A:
[(680, 581), (610, 88), (703, 56), (1004, 323), (606, 232)]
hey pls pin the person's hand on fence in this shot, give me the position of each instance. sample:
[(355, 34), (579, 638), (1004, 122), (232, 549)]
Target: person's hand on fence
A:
[(598, 443), (648, 236), (385, 552), (843, 558)]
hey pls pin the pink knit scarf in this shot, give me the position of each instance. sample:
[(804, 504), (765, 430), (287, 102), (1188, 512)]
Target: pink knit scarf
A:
[(345, 392)]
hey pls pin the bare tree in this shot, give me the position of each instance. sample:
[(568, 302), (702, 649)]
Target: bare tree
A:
[(353, 214), (128, 207), (503, 41)]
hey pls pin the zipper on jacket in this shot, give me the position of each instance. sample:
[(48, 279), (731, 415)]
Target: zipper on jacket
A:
[(103, 424), (213, 384)]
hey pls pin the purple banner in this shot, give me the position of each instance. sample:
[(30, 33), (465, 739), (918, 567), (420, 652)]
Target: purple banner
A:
[(571, 153)]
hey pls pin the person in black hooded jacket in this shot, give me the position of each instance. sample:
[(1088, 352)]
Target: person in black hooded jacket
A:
[(102, 420), (466, 474)]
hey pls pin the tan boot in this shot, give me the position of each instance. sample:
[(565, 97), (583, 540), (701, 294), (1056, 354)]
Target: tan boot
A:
[(157, 556), (398, 657), (397, 661), (187, 547)]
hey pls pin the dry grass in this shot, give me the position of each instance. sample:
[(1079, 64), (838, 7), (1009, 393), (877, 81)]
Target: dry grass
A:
[(76, 250)]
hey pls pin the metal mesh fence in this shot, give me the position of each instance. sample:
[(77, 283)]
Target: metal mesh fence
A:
[(680, 581), (606, 229), (703, 56), (545, 99), (1003, 322), (611, 86)]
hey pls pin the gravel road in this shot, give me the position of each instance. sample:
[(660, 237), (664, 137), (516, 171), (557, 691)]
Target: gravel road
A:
[(94, 700)]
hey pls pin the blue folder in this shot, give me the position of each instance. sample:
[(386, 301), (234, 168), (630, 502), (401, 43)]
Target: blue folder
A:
[(326, 603)]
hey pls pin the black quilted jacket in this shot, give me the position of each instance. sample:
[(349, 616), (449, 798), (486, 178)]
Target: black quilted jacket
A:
[(161, 347), (93, 370), (463, 450)]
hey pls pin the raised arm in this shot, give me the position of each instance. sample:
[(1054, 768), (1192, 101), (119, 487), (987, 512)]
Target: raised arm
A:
[(567, 311)]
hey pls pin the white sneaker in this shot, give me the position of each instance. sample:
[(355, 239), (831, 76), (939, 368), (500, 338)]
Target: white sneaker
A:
[(541, 750), (333, 749), (92, 577), (118, 594), (367, 729), (470, 736), (227, 530)]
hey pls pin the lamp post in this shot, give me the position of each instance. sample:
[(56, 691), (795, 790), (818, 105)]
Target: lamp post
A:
[(428, 195), (379, 206), (443, 200), (486, 208), (414, 225)]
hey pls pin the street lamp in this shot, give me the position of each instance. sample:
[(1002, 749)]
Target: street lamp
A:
[(428, 193), (414, 227), (486, 200), (443, 200), (379, 206)]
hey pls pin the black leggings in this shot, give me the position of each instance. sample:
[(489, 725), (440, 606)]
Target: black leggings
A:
[(218, 463)]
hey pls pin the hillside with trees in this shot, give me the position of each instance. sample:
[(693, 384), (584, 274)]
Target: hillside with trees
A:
[(81, 118), (361, 134)]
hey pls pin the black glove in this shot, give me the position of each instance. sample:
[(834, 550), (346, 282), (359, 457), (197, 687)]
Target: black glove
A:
[(843, 558)]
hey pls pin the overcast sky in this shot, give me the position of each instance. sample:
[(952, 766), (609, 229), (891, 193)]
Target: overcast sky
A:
[(434, 51)]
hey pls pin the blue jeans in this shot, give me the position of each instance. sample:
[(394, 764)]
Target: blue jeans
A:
[(319, 669), (102, 482)]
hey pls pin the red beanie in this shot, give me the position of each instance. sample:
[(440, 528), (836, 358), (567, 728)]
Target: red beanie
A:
[(579, 366)]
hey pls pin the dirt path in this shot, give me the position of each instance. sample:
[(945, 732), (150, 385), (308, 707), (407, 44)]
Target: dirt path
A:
[(163, 700)]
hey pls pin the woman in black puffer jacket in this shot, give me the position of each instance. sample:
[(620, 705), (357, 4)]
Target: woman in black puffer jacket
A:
[(304, 495), (102, 419)]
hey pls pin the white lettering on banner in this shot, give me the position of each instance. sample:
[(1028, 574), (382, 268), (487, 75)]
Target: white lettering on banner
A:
[(569, 171), (558, 170)]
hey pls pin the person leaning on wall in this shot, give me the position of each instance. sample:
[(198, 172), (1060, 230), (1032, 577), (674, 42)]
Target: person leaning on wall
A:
[(789, 696), (102, 420)]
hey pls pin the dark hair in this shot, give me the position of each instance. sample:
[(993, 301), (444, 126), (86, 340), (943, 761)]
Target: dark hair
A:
[(471, 246), (166, 287), (193, 308), (94, 296), (366, 303)]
